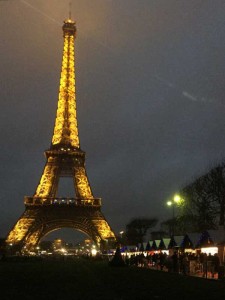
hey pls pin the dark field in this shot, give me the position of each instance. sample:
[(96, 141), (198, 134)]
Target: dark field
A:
[(85, 279)]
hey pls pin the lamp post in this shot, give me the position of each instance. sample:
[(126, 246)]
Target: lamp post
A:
[(121, 234), (175, 201), (121, 237)]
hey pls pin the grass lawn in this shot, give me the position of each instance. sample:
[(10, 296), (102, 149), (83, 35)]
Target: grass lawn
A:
[(85, 279)]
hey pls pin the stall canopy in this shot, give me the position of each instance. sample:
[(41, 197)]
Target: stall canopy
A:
[(218, 236), (162, 246), (172, 243), (154, 247), (166, 242), (148, 246), (141, 247), (178, 239), (155, 244), (205, 240), (131, 248), (194, 237), (186, 243)]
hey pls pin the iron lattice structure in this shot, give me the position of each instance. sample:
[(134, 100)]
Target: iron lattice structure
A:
[(44, 211)]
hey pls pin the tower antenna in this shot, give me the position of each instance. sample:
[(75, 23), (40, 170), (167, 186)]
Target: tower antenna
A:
[(70, 6)]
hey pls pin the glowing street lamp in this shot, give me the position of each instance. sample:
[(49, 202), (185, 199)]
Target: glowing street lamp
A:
[(175, 201), (121, 234), (121, 237)]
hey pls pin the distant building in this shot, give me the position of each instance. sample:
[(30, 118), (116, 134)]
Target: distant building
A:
[(58, 244)]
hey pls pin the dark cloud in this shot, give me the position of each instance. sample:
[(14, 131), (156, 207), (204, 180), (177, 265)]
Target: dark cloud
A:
[(150, 98)]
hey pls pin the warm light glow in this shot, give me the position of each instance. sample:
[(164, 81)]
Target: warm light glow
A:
[(210, 250), (103, 229), (177, 198), (93, 252), (20, 230), (65, 130), (83, 186), (46, 182)]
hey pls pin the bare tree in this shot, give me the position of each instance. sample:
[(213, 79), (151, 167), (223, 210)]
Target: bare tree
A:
[(216, 189), (204, 203)]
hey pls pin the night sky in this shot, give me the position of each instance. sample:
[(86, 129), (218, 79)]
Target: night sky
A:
[(150, 79)]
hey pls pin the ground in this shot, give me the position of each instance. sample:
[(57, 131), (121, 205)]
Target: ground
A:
[(87, 279)]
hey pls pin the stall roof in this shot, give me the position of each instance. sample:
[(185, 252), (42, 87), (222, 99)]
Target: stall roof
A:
[(194, 237), (217, 236), (157, 242), (205, 240), (178, 239), (187, 243), (144, 245), (162, 245), (131, 247), (148, 246), (166, 242)]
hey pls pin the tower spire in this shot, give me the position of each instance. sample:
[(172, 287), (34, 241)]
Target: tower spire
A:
[(70, 8), (65, 129)]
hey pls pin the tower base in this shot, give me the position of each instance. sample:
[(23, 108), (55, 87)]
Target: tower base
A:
[(39, 220)]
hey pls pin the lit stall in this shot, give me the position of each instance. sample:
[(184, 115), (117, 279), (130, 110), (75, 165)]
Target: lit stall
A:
[(165, 242), (206, 244), (187, 244)]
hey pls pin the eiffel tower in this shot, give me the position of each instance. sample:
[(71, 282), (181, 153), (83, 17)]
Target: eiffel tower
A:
[(44, 211)]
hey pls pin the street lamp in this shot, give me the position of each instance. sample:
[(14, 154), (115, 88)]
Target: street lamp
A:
[(121, 234), (175, 201), (121, 237)]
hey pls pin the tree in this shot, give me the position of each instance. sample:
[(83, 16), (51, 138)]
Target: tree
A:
[(137, 228), (204, 202), (199, 205), (217, 189)]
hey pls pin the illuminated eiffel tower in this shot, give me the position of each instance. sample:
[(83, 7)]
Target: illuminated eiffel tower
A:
[(44, 211)]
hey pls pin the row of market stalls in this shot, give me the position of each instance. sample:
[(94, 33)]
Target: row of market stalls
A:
[(211, 241)]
